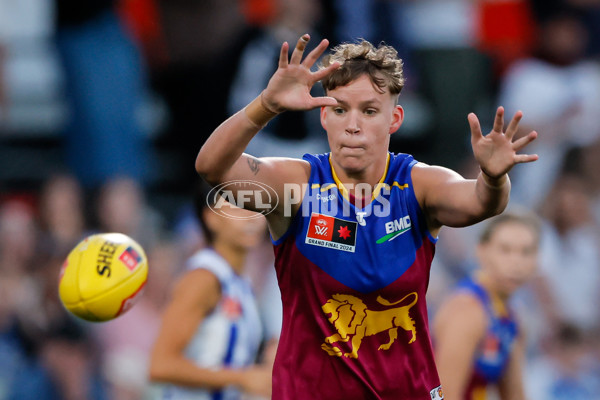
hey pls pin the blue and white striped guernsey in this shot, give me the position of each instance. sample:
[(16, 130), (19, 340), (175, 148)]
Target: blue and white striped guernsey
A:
[(228, 337)]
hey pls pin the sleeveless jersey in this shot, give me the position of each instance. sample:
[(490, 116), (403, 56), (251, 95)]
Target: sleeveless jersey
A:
[(353, 283), (228, 337), (493, 354)]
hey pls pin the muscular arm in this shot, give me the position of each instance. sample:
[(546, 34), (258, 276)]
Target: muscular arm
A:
[(458, 328), (449, 199), (222, 159)]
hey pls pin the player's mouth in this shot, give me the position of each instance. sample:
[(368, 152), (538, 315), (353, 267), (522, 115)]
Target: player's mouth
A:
[(352, 148)]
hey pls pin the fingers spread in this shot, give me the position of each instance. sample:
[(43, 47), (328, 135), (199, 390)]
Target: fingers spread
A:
[(499, 120), (314, 55), (323, 101), (475, 126), (322, 73), (514, 125), (283, 55), (525, 158), (524, 141), (299, 50)]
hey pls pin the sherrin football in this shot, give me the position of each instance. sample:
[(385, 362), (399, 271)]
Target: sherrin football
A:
[(103, 276)]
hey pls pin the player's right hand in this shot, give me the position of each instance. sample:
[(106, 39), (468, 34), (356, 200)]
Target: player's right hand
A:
[(289, 88)]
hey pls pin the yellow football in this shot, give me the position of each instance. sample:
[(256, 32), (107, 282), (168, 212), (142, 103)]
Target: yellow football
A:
[(103, 276)]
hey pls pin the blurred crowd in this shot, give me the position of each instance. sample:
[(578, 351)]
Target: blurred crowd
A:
[(125, 79), (45, 353)]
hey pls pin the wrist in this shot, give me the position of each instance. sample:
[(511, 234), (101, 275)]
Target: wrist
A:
[(494, 182), (258, 112)]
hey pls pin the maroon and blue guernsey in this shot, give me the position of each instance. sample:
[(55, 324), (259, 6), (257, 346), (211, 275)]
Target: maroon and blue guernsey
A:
[(493, 354), (353, 283)]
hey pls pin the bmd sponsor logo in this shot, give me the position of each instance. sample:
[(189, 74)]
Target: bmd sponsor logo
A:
[(395, 228)]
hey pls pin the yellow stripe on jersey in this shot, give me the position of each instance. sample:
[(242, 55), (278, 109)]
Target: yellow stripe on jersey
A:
[(387, 187), (331, 185), (479, 393), (402, 187)]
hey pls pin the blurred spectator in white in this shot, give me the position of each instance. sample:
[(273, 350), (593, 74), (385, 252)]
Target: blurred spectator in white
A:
[(122, 207), (105, 84), (287, 135), (558, 91), (566, 371), (570, 257)]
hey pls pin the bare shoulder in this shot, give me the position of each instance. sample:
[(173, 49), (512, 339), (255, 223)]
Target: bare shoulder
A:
[(293, 166), (283, 165), (432, 186), (463, 309), (463, 298), (197, 286), (275, 171), (425, 174)]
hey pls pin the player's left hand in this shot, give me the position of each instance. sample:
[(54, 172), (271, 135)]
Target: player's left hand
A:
[(496, 152)]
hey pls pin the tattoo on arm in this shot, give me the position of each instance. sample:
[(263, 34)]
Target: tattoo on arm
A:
[(254, 164)]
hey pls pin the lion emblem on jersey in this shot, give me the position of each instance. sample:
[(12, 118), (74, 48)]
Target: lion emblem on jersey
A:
[(354, 321)]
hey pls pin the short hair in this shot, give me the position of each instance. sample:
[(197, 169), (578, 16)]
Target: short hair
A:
[(525, 218), (381, 64)]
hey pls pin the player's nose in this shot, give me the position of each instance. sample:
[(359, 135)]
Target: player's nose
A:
[(352, 123)]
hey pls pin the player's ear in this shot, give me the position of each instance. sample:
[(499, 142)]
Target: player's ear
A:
[(397, 118), (323, 115)]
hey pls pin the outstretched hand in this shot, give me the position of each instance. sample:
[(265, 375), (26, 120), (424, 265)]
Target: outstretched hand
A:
[(496, 152), (289, 88)]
